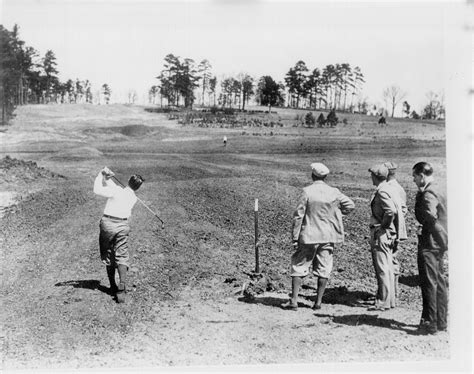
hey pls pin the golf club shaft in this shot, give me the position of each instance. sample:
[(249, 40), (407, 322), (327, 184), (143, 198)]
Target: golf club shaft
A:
[(146, 206)]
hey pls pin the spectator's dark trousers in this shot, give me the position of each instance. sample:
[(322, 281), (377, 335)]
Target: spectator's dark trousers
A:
[(434, 288)]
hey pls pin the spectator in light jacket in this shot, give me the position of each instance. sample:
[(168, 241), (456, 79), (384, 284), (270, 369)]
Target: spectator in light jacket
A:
[(317, 226)]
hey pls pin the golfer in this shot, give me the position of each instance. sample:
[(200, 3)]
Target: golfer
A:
[(114, 227), (317, 226)]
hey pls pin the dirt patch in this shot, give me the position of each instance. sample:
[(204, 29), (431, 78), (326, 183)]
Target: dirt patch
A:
[(186, 301), (19, 179), (128, 130), (12, 170)]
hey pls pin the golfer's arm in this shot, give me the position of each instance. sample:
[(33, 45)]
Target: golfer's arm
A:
[(102, 186)]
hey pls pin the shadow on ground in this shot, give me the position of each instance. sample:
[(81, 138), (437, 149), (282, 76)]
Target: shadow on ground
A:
[(371, 320), (90, 284), (269, 301), (335, 295), (342, 296), (409, 280)]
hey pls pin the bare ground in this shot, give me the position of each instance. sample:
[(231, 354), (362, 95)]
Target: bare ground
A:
[(186, 305)]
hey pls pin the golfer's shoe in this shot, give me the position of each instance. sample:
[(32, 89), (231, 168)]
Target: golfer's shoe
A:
[(316, 306), (377, 308), (120, 293), (113, 289)]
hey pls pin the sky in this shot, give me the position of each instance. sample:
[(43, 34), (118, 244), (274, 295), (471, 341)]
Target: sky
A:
[(123, 43)]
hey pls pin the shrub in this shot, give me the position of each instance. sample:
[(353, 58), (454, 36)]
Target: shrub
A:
[(332, 119), (344, 121), (321, 120), (309, 119), (415, 115)]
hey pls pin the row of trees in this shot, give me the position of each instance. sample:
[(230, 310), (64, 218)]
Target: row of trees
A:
[(335, 86), (180, 78), (28, 78)]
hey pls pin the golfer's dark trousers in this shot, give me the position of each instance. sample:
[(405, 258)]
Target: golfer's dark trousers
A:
[(434, 288)]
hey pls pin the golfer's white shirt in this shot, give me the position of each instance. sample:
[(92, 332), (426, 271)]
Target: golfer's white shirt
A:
[(120, 201)]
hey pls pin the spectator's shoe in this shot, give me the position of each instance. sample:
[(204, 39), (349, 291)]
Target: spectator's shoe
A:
[(316, 306), (442, 328), (120, 294), (426, 328)]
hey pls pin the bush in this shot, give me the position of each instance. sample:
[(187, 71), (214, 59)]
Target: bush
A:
[(344, 121), (332, 119), (309, 119), (321, 120)]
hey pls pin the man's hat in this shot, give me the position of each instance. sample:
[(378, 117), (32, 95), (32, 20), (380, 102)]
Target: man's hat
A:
[(319, 170), (379, 170)]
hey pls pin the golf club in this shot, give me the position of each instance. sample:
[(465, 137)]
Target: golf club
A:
[(146, 206)]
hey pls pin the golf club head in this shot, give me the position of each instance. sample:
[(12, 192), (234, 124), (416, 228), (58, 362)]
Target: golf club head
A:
[(162, 226)]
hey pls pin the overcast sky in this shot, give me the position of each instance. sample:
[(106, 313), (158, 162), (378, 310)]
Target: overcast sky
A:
[(123, 43)]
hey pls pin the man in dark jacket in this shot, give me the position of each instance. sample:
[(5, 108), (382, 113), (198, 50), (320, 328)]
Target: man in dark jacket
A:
[(431, 213)]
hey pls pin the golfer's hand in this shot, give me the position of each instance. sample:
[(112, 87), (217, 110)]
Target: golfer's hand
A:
[(295, 244), (107, 173)]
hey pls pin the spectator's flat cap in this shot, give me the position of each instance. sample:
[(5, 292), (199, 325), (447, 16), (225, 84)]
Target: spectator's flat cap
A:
[(379, 170), (391, 165), (319, 170)]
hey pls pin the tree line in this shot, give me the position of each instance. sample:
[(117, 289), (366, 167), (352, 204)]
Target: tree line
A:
[(334, 86), (28, 78)]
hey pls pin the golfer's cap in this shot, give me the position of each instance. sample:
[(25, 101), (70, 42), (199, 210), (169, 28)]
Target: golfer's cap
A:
[(391, 165), (379, 170), (319, 170)]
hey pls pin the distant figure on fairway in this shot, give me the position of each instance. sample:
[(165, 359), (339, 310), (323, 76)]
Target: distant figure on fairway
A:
[(317, 226), (382, 120), (114, 227), (387, 225), (431, 213), (402, 202), (225, 140)]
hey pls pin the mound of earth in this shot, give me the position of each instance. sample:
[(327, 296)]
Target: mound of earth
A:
[(12, 170), (19, 179), (127, 130)]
